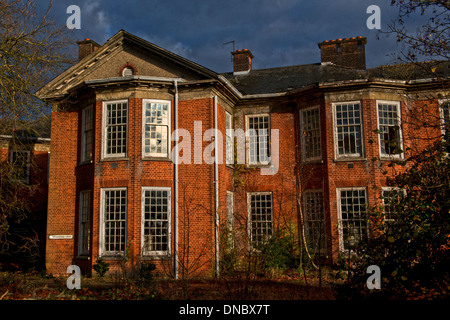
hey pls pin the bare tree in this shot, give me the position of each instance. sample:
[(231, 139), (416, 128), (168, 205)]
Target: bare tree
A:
[(424, 55), (32, 51), (192, 256), (430, 41)]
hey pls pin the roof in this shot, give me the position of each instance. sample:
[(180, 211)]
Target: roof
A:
[(290, 78), (271, 81), (72, 77), (283, 79)]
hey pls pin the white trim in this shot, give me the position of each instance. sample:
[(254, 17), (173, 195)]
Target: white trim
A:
[(229, 134), (169, 218), (442, 103), (38, 139), (230, 217), (382, 198), (101, 248), (169, 130), (302, 138), (339, 210), (247, 138), (399, 119), (249, 212), (351, 156), (119, 155)]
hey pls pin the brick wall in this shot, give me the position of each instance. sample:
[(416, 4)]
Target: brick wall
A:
[(62, 191), (35, 197), (370, 171), (196, 213)]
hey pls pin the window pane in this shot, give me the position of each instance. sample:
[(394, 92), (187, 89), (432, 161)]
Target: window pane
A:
[(315, 220), (348, 129), (353, 217), (229, 138), (260, 219), (85, 218), (389, 127), (259, 139), (116, 128), (156, 129), (156, 216), (391, 199), (87, 134), (115, 210), (311, 142)]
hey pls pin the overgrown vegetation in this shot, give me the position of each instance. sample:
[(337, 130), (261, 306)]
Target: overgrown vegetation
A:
[(33, 49), (412, 248)]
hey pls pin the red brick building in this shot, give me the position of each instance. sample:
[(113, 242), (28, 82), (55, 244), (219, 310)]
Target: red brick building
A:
[(24, 159), (120, 183)]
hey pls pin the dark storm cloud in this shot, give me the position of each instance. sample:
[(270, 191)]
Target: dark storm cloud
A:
[(278, 32)]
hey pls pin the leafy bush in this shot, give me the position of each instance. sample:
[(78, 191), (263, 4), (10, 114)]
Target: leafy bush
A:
[(278, 252), (101, 267), (413, 249), (146, 273)]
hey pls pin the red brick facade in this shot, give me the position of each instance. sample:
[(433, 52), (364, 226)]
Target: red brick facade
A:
[(197, 195), (35, 193)]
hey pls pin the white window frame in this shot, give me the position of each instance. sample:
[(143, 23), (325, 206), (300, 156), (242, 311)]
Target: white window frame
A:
[(335, 130), (102, 250), (128, 71), (248, 146), (169, 128), (399, 121), (323, 245), (229, 138), (230, 217), (25, 180), (84, 156), (82, 214), (442, 104), (340, 220), (104, 130), (249, 211), (169, 219), (303, 138), (383, 189)]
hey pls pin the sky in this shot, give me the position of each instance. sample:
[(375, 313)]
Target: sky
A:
[(277, 32)]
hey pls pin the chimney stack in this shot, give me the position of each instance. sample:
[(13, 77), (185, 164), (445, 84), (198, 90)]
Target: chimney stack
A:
[(347, 52), (242, 61), (86, 47)]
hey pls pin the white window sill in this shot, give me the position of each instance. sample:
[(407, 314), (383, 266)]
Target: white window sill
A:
[(349, 159), (115, 159), (150, 158)]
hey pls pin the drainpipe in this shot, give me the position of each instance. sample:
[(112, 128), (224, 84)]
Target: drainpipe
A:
[(216, 185), (175, 83)]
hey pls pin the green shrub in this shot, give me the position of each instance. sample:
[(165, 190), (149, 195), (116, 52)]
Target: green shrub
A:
[(413, 249), (101, 267), (146, 273), (278, 252)]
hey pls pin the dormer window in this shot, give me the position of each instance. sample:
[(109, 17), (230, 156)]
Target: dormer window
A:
[(127, 71)]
